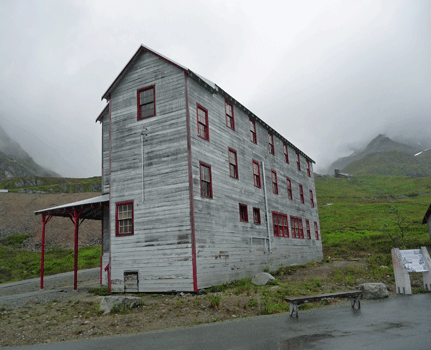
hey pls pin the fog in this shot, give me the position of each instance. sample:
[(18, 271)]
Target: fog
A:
[(328, 75)]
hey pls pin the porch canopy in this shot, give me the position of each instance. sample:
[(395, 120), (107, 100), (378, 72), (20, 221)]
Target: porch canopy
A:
[(90, 209)]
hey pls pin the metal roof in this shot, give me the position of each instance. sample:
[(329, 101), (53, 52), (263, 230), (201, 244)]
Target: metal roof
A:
[(91, 208)]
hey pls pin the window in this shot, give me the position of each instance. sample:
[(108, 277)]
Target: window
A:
[(256, 216), (308, 168), (243, 213), (206, 185), (146, 102), (124, 218), (230, 120), (316, 230), (203, 130), (307, 225), (296, 227), (253, 134), (233, 164), (271, 143), (298, 161), (289, 189), (301, 194), (286, 153), (312, 198), (279, 224), (256, 174), (274, 181)]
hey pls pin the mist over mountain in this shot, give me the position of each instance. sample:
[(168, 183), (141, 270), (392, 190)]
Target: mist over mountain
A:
[(385, 156), (15, 161)]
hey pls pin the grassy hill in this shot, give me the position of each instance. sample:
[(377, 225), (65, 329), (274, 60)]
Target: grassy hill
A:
[(360, 215)]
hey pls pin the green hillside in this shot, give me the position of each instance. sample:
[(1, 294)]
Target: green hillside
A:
[(360, 215), (391, 163)]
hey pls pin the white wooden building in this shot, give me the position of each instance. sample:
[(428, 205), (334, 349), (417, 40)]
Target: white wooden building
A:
[(201, 190)]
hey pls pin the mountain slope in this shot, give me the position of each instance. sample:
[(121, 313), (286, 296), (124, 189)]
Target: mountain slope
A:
[(15, 162)]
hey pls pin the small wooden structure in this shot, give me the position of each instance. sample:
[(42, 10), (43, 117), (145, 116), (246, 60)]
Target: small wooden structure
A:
[(354, 296)]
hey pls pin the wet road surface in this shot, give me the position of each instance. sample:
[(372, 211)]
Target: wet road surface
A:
[(402, 322)]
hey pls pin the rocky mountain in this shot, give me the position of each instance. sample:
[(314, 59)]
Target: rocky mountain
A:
[(384, 156), (15, 162)]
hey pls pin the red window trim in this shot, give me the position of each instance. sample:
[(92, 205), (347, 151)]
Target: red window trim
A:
[(274, 181), (202, 164), (276, 219), (243, 210), (307, 225), (271, 148), (117, 221), (205, 126), (235, 166), (138, 100), (298, 161), (256, 216), (301, 194), (308, 168), (256, 177), (316, 230), (289, 188), (253, 131), (312, 198), (228, 117), (296, 227), (286, 152)]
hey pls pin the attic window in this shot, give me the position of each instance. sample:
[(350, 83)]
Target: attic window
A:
[(146, 102)]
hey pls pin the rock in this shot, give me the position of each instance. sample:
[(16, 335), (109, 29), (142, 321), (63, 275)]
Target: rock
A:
[(374, 290), (261, 279), (112, 303)]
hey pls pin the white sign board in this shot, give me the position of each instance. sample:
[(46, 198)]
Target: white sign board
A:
[(413, 260)]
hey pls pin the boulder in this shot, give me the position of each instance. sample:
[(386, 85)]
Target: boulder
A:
[(374, 290), (261, 279), (113, 303)]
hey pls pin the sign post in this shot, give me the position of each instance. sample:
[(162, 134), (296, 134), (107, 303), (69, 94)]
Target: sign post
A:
[(406, 261)]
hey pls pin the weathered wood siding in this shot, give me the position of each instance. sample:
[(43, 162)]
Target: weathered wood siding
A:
[(223, 242), (105, 153), (106, 247), (160, 248)]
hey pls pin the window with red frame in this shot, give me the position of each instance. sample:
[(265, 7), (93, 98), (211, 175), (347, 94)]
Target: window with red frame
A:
[(233, 164), (271, 143), (308, 168), (256, 174), (230, 120), (296, 227), (124, 218), (253, 134), (286, 153), (243, 213), (289, 188), (316, 230), (307, 225), (203, 130), (298, 161), (312, 198), (256, 216), (206, 185), (301, 194), (274, 181), (146, 102), (279, 224)]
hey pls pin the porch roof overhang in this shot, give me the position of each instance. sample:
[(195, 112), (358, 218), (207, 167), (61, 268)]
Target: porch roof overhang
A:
[(91, 208)]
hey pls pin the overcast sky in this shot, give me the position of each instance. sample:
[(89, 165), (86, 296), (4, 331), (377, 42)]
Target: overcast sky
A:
[(328, 75)]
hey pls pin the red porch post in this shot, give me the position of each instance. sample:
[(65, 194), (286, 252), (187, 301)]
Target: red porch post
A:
[(75, 265), (45, 220)]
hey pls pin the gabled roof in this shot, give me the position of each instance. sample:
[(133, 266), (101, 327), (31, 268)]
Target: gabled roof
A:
[(206, 83), (105, 110)]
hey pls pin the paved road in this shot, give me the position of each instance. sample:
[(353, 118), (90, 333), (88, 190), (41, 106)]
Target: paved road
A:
[(403, 322)]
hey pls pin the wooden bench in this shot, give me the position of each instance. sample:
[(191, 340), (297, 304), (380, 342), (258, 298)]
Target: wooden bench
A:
[(354, 297)]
